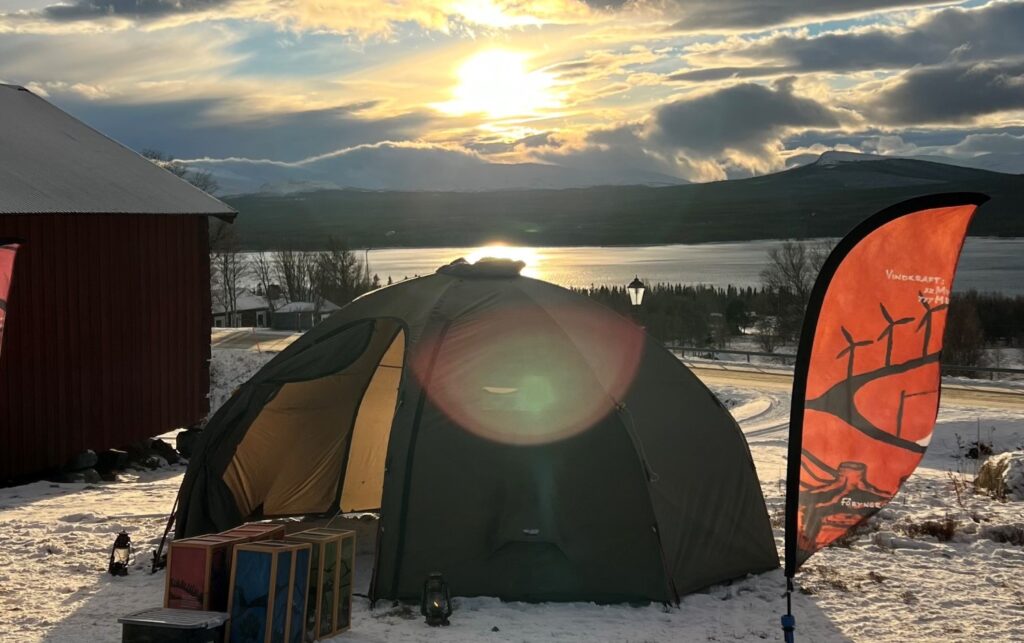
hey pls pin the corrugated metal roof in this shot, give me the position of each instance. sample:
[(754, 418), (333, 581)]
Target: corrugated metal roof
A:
[(51, 162)]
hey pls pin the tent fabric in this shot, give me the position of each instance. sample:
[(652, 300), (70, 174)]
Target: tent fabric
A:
[(525, 441)]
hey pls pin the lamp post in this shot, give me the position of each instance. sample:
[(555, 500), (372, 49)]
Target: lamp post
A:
[(636, 292)]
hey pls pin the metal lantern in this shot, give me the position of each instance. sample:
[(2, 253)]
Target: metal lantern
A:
[(120, 555), (436, 601), (636, 291)]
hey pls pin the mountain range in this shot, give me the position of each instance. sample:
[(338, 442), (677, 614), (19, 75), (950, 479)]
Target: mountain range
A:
[(824, 198), (391, 166)]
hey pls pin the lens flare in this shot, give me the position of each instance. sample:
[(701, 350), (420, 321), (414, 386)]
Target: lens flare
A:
[(523, 374)]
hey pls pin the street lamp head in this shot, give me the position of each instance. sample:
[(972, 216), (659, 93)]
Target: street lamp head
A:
[(636, 291)]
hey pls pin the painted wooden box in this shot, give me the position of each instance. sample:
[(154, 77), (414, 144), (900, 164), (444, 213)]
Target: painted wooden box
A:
[(255, 531), (267, 596), (198, 573), (331, 575)]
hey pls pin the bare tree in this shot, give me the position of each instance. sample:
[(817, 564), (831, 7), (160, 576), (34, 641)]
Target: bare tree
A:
[(292, 270), (793, 267), (228, 267), (202, 179), (166, 161), (787, 280), (341, 276), (261, 267)]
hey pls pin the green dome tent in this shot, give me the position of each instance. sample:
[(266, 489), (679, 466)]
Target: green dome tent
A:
[(525, 441)]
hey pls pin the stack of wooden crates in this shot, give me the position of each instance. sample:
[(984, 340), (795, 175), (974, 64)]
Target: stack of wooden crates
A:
[(199, 569), (331, 576), (274, 589)]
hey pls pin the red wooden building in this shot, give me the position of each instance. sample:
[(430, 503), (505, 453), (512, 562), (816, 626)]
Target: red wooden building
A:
[(107, 336)]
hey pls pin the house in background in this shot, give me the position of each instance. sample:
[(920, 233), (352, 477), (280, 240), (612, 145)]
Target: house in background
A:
[(107, 336), (252, 310), (302, 315)]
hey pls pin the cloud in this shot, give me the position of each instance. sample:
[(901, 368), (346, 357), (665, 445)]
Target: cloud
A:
[(949, 94), (137, 9), (365, 18), (733, 131), (1001, 143), (700, 15), (956, 35), (185, 128), (746, 118)]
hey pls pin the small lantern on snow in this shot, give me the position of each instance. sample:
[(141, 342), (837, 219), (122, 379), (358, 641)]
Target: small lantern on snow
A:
[(636, 291), (436, 601), (120, 554)]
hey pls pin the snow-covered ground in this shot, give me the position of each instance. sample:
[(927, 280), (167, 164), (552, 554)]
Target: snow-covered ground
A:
[(891, 583)]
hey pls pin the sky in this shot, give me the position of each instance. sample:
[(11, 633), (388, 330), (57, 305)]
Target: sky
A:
[(674, 89)]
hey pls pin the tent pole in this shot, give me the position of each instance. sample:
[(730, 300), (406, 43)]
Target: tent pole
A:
[(788, 620), (159, 561)]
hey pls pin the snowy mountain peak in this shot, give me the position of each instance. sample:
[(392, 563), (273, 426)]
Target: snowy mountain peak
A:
[(835, 157)]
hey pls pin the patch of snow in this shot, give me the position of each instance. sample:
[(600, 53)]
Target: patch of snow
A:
[(884, 584)]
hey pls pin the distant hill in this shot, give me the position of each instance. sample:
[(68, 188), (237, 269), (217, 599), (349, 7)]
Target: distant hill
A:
[(814, 200), (1006, 162), (390, 166)]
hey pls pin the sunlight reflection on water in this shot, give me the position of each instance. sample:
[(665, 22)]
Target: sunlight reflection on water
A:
[(987, 263)]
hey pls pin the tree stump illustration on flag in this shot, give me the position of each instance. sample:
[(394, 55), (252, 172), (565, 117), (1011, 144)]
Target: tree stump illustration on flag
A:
[(866, 388)]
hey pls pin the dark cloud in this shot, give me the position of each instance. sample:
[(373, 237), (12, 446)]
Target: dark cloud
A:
[(744, 117), (138, 9), (700, 15), (950, 94), (962, 35)]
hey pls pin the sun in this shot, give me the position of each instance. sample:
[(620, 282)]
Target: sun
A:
[(498, 84)]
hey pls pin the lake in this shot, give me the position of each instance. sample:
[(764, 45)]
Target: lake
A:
[(987, 264)]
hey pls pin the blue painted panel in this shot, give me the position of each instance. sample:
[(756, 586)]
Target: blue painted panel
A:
[(250, 597), (284, 571)]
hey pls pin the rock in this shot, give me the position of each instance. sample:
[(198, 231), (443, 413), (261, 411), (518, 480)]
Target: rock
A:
[(87, 476), (186, 441), (85, 460), (165, 451), (112, 460), (1002, 476), (139, 450)]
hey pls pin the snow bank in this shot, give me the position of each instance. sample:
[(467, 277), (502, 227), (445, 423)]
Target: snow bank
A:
[(1003, 475), (229, 369)]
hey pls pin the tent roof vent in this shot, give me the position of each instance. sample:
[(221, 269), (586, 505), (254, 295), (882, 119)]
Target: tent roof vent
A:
[(485, 268)]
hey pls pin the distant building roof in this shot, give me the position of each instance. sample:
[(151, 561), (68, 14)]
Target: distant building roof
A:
[(246, 300), (308, 307), (51, 162)]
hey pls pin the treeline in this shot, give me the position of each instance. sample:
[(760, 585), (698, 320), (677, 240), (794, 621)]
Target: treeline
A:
[(694, 315), (708, 316)]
